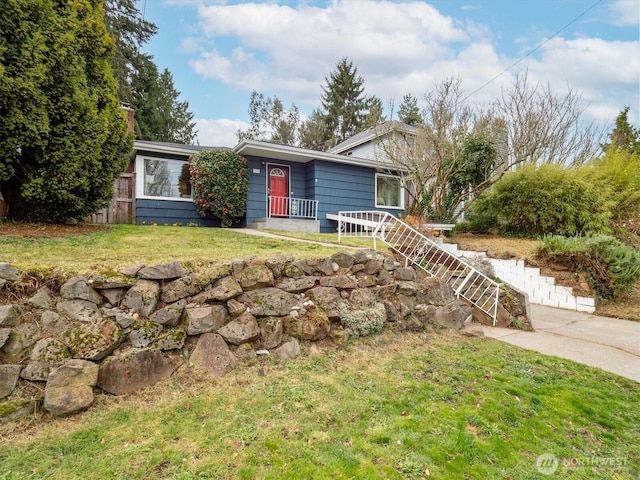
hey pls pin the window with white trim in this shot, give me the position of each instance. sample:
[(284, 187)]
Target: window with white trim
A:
[(389, 191), (165, 178)]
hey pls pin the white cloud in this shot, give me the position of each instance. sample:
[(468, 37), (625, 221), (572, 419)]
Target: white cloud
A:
[(219, 132), (626, 12), (607, 73), (398, 47)]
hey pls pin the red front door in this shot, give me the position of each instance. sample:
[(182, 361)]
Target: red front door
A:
[(278, 190)]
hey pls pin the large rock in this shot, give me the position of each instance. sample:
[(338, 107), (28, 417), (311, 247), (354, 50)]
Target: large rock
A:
[(205, 319), (165, 271), (328, 299), (20, 341), (256, 276), (235, 308), (41, 299), (9, 315), (312, 325), (361, 298), (126, 374), (406, 274), (270, 332), (453, 315), (80, 310), (434, 291), (289, 349), (297, 285), (169, 315), (93, 341), (9, 375), (267, 302), (223, 290), (53, 324), (325, 266), (279, 262), (341, 282), (70, 387), (114, 295), (78, 288), (243, 329), (144, 333), (344, 260), (143, 297), (9, 272), (180, 288), (47, 355), (212, 355), (171, 340)]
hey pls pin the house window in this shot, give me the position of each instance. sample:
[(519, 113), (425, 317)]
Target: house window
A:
[(166, 178), (389, 191)]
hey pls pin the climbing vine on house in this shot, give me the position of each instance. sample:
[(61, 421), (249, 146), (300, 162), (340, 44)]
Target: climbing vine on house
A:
[(220, 181)]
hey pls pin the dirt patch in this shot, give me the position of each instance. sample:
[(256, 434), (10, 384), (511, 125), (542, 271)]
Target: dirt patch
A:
[(47, 230)]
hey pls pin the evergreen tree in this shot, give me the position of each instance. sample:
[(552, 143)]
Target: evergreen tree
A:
[(624, 136), (131, 32), (408, 111), (63, 136), (375, 112), (159, 115), (343, 102)]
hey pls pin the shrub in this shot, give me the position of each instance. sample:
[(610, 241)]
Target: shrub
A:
[(612, 266), (547, 199), (620, 171), (364, 322), (220, 180)]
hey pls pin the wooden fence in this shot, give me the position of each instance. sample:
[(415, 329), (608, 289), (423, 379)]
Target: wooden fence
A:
[(123, 207)]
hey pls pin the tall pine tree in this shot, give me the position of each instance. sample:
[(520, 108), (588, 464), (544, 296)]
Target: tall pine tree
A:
[(344, 102), (408, 111), (159, 114)]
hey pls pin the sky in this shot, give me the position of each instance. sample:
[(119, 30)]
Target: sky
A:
[(220, 51)]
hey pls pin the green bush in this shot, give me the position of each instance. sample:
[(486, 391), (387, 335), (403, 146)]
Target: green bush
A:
[(620, 171), (612, 266), (547, 199), (220, 181)]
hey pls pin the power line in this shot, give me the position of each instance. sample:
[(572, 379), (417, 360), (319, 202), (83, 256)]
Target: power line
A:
[(538, 47)]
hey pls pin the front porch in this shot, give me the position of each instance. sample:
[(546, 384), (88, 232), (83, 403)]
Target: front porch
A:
[(289, 214)]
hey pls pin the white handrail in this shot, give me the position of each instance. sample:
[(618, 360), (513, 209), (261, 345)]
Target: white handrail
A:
[(291, 207)]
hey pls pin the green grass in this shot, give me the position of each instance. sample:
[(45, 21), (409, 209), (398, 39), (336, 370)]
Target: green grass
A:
[(392, 406), (121, 246)]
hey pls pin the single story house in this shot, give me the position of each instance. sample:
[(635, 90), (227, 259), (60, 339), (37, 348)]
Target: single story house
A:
[(290, 188)]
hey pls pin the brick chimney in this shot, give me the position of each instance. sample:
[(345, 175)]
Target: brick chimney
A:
[(130, 115)]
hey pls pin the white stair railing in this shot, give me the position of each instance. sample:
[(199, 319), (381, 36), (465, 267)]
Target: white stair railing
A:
[(417, 249)]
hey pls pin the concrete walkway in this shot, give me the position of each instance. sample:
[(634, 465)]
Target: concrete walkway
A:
[(608, 343)]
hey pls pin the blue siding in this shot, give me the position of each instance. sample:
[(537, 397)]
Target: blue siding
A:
[(343, 187), (168, 212)]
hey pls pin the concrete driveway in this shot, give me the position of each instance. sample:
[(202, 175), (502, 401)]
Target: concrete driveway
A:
[(608, 343)]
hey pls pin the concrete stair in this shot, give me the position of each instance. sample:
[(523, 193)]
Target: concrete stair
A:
[(542, 290), (286, 225)]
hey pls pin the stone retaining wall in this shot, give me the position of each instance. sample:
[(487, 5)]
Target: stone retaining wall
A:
[(120, 336)]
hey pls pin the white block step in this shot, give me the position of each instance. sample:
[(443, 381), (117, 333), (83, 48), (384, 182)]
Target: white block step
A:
[(541, 289)]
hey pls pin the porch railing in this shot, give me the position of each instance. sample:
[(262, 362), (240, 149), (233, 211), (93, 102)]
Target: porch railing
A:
[(290, 207)]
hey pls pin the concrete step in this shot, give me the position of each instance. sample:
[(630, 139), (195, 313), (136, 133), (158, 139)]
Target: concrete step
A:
[(542, 290)]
